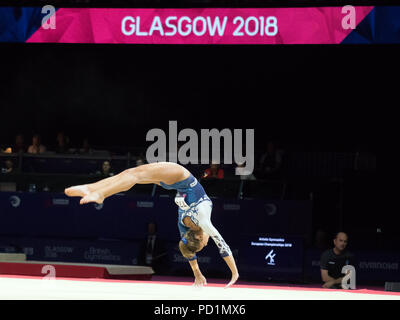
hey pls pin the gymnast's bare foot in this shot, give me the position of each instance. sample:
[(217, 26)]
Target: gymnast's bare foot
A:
[(77, 191), (92, 197)]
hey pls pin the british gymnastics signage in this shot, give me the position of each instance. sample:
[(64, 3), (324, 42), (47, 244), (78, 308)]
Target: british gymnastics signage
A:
[(324, 25)]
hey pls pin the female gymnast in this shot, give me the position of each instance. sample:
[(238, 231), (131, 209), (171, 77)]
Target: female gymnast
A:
[(194, 212)]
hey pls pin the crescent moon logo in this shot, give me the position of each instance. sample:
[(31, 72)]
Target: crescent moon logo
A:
[(15, 201), (270, 209)]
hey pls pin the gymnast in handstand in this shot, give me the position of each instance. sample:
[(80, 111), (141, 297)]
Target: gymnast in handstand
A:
[(194, 212)]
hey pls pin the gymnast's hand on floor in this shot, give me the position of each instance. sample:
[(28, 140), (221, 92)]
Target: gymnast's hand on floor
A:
[(200, 281)]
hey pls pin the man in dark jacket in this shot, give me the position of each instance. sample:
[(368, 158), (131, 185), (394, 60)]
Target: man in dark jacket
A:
[(333, 260)]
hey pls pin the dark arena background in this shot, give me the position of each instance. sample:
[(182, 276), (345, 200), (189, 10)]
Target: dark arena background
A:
[(314, 110)]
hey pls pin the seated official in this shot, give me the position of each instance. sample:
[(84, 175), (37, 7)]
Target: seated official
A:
[(152, 251), (333, 260)]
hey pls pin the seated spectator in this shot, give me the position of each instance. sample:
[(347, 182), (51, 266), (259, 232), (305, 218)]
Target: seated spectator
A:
[(8, 168), (62, 143), (139, 162), (214, 172), (105, 170), (364, 160), (249, 176), (270, 162), (19, 145), (86, 149), (333, 260), (36, 146)]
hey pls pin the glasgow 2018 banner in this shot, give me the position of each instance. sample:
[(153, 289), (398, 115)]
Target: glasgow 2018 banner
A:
[(322, 25)]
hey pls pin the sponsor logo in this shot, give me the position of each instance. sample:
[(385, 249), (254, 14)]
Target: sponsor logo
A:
[(271, 256), (315, 263), (8, 249), (145, 204), (270, 209), (100, 254), (193, 183), (61, 202), (15, 201), (28, 251), (53, 251), (232, 207), (179, 258), (379, 265)]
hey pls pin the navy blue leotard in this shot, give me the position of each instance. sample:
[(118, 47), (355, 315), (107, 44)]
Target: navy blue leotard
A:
[(193, 202)]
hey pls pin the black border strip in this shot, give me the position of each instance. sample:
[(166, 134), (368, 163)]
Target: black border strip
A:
[(196, 3)]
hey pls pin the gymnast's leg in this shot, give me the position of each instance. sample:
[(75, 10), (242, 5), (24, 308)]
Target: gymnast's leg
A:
[(98, 191), (169, 173), (83, 190)]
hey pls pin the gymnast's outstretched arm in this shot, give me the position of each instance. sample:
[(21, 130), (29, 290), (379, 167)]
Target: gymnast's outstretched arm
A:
[(205, 223), (200, 280)]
